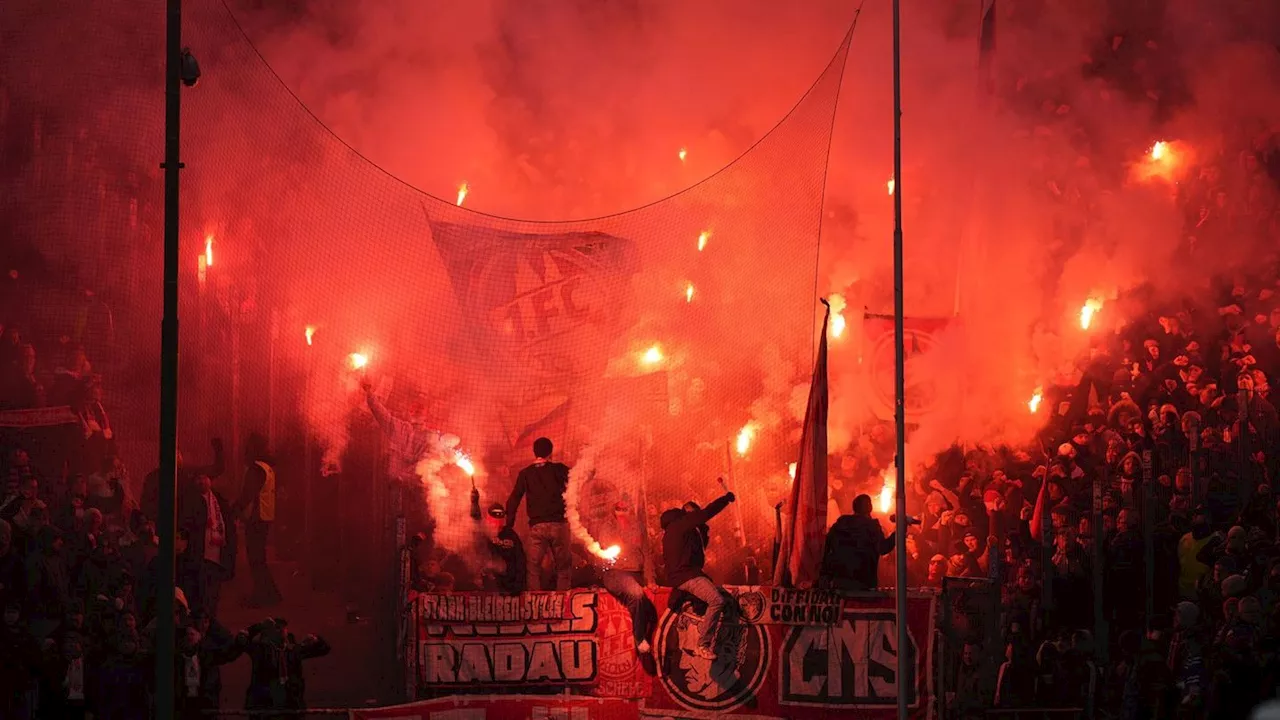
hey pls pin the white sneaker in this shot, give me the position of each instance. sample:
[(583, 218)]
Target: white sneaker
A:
[(643, 648)]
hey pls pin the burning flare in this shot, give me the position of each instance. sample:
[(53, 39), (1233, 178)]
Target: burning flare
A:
[(1034, 403), (885, 501), (891, 185), (745, 436), (652, 356), (688, 293), (683, 153), (1090, 308), (702, 239), (838, 324), (462, 193), (358, 361), (462, 461), (311, 333), (1160, 150), (208, 251)]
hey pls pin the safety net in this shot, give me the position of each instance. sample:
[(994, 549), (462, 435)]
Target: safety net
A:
[(315, 285)]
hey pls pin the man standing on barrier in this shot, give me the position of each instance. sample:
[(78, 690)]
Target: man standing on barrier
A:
[(544, 482), (683, 549), (855, 544)]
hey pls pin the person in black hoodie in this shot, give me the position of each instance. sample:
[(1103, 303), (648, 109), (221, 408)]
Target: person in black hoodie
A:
[(855, 544), (544, 482), (683, 551), (506, 548)]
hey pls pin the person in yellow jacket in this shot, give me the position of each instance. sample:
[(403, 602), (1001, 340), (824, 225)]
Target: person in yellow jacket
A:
[(257, 508)]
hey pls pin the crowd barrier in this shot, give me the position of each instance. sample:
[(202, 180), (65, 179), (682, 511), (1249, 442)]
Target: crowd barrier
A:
[(780, 654)]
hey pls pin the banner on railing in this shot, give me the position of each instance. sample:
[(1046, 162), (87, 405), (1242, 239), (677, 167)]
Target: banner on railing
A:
[(507, 707), (779, 653)]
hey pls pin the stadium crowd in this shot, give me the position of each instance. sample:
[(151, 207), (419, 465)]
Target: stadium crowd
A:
[(78, 565)]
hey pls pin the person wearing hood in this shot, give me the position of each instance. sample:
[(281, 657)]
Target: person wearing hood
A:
[(855, 543), (684, 553)]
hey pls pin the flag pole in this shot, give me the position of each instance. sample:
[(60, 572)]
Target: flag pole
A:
[(905, 686), (165, 521)]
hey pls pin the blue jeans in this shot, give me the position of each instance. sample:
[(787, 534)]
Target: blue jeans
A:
[(625, 586), (549, 538)]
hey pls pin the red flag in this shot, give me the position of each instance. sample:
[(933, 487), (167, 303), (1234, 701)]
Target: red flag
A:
[(805, 530)]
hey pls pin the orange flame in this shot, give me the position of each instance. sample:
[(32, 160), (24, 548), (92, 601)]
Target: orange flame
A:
[(688, 293), (1159, 150), (358, 361), (208, 251), (683, 153), (885, 500), (310, 332), (462, 461), (1087, 311), (745, 436), (838, 323), (462, 193), (892, 184), (703, 237), (1034, 403), (653, 355)]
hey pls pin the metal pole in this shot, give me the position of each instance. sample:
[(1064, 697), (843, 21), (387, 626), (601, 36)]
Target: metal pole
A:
[(166, 520), (905, 670), (1100, 482), (1148, 536)]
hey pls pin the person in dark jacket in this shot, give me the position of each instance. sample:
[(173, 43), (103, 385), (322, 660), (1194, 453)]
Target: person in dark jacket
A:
[(544, 482), (855, 544), (506, 548), (683, 552), (257, 506), (211, 544), (203, 647), (186, 480), (275, 677)]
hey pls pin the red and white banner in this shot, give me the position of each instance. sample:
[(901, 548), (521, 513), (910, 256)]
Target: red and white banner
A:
[(781, 653), (507, 707), (38, 417), (807, 524)]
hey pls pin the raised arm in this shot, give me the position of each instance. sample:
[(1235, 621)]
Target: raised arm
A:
[(698, 517), (390, 424)]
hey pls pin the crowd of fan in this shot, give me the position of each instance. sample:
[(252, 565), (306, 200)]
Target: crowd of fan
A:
[(78, 569), (1172, 428)]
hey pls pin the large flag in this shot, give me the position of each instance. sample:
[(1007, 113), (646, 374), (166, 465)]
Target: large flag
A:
[(538, 306), (805, 531)]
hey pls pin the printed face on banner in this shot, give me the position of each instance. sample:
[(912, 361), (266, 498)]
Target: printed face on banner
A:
[(723, 683)]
